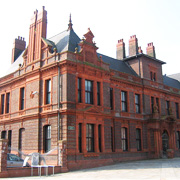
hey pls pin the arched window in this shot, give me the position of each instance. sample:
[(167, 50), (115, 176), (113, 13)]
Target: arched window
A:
[(47, 138)]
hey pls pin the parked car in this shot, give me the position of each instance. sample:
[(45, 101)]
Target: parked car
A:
[(15, 161)]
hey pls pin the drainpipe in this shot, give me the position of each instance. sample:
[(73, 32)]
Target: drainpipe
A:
[(59, 138)]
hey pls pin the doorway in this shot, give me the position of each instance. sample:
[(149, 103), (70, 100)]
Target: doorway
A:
[(165, 143)]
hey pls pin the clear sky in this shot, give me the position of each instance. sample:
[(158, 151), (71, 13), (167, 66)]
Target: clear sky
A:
[(156, 21)]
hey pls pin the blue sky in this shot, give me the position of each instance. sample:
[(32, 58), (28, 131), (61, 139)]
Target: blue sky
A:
[(154, 21)]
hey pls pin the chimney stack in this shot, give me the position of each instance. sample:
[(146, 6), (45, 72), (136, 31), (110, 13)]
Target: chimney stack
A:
[(150, 50), (19, 46), (133, 46), (120, 50)]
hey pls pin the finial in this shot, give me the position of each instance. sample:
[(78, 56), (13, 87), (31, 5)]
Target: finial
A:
[(70, 23)]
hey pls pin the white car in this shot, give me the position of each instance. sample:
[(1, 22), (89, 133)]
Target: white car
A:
[(15, 161)]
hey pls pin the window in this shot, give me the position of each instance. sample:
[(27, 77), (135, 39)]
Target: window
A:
[(2, 104), (167, 107), (112, 139), (124, 139), (88, 92), (7, 102), (177, 110), (3, 135), (99, 137), (80, 137), (111, 99), (137, 103), (22, 98), (98, 94), (178, 139), (48, 91), (124, 101), (79, 90), (9, 139), (21, 139), (47, 138), (152, 104), (90, 137), (138, 139), (157, 104), (153, 76)]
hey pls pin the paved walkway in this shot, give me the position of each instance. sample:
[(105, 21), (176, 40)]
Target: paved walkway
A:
[(161, 169)]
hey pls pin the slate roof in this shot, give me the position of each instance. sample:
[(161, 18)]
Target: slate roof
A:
[(118, 65), (171, 82), (175, 76), (66, 41)]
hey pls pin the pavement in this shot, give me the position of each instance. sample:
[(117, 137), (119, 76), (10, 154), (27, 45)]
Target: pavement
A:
[(158, 169)]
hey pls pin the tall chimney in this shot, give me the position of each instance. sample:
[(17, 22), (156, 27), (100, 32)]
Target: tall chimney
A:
[(133, 46), (120, 50), (37, 30), (150, 50), (19, 46)]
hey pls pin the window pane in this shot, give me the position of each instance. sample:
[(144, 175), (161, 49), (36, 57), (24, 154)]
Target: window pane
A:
[(47, 138), (88, 92)]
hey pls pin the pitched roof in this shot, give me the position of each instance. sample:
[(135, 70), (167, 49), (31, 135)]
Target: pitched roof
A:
[(171, 82), (66, 41), (175, 76), (118, 65)]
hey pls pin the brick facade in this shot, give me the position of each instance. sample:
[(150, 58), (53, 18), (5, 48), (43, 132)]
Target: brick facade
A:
[(70, 108)]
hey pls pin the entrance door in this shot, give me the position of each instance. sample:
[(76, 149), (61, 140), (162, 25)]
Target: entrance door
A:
[(165, 143)]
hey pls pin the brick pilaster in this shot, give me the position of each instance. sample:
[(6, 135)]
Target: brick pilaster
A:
[(3, 155)]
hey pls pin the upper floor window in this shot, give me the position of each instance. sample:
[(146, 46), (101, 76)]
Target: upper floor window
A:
[(168, 107), (90, 137), (48, 91), (152, 104), (153, 76), (22, 98), (2, 103), (7, 102), (157, 104), (177, 110), (124, 101), (98, 94), (47, 138), (137, 103), (124, 139), (138, 139), (88, 92), (111, 99), (79, 90)]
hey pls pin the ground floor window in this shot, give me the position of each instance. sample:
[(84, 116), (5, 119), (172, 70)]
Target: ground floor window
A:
[(80, 137), (138, 139), (178, 139), (90, 137), (47, 138), (124, 139), (3, 135)]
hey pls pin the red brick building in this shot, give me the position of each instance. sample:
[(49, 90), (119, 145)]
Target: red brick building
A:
[(61, 92)]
